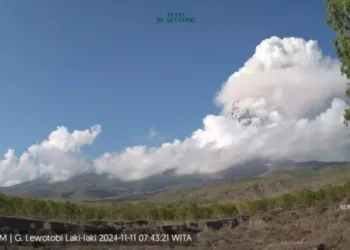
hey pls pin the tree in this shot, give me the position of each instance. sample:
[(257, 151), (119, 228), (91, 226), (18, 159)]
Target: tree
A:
[(339, 21)]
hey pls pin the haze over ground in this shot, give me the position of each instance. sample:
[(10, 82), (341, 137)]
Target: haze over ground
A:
[(288, 100)]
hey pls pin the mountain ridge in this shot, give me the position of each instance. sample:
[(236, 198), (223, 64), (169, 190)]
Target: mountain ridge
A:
[(95, 187)]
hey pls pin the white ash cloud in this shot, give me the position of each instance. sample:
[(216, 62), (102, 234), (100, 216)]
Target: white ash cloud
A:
[(287, 101)]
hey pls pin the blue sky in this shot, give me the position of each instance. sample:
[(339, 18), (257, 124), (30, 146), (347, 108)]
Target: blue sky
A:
[(80, 63)]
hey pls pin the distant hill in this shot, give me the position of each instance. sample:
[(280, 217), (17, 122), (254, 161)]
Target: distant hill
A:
[(93, 187), (276, 182)]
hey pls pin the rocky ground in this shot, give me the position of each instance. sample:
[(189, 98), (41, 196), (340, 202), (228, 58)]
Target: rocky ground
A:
[(320, 227)]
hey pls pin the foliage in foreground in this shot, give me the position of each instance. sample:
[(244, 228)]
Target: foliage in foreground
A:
[(80, 212), (339, 21)]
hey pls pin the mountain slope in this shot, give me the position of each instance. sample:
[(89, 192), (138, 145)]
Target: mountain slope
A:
[(99, 187)]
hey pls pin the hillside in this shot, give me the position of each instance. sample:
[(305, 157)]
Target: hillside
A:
[(251, 179), (276, 182), (305, 220), (95, 187), (290, 208)]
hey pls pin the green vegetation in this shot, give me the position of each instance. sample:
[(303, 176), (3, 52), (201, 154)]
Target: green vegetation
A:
[(339, 21), (275, 183), (82, 212)]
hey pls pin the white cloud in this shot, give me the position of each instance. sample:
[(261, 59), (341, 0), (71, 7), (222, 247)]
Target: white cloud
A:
[(57, 158), (290, 74), (287, 101)]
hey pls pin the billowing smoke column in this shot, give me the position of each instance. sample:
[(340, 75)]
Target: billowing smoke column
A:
[(287, 101)]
